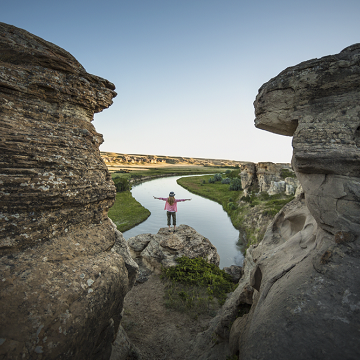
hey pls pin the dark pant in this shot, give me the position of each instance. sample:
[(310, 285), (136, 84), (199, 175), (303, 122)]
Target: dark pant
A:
[(169, 214)]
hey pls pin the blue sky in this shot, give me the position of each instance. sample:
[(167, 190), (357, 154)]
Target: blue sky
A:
[(187, 72)]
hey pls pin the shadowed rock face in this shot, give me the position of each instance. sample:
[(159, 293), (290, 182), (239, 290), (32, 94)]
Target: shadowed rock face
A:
[(62, 288), (318, 102), (305, 271)]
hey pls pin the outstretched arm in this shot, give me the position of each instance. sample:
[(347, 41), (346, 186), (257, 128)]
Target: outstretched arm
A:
[(160, 198)]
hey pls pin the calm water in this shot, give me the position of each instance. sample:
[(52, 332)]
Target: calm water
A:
[(205, 216)]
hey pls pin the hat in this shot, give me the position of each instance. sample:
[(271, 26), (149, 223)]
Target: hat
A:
[(172, 193)]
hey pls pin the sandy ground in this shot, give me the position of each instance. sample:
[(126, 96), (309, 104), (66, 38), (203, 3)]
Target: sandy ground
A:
[(159, 333)]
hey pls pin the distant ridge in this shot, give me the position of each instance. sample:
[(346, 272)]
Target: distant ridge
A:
[(113, 159)]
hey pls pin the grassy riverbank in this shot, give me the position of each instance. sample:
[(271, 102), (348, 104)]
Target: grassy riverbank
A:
[(218, 192), (250, 214), (127, 212)]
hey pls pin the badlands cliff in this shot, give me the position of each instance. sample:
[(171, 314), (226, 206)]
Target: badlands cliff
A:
[(113, 160), (302, 280), (62, 284)]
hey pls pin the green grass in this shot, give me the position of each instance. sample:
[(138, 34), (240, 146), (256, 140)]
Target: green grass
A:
[(127, 212), (193, 284)]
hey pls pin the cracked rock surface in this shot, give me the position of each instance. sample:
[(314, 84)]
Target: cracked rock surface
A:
[(62, 288)]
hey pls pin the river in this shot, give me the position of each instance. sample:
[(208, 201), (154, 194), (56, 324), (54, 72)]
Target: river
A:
[(206, 216)]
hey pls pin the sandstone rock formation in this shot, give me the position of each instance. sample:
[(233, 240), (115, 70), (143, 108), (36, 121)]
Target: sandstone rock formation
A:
[(62, 287), (267, 177), (304, 274), (163, 248)]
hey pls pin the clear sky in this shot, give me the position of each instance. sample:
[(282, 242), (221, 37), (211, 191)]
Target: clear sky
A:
[(187, 71)]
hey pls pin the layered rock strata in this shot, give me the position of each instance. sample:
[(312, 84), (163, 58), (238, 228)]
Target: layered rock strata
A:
[(62, 288), (162, 249), (304, 273)]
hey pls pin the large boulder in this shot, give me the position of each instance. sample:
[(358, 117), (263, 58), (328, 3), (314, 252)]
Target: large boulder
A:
[(162, 249), (62, 287)]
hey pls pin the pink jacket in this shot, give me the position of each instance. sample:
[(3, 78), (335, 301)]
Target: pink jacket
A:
[(172, 207)]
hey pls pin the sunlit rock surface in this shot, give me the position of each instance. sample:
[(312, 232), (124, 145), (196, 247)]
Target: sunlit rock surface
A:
[(62, 288)]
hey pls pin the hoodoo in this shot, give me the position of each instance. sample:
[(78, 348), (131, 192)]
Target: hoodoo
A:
[(62, 286)]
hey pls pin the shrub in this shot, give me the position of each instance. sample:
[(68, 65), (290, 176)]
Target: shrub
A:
[(211, 180), (235, 184), (232, 206), (226, 181), (284, 173), (233, 174), (217, 177), (246, 199), (122, 184), (200, 273)]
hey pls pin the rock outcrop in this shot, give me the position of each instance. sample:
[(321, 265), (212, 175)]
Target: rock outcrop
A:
[(307, 288), (62, 287), (304, 273), (163, 248), (268, 177)]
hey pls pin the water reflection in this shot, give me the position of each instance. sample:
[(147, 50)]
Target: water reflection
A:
[(205, 216)]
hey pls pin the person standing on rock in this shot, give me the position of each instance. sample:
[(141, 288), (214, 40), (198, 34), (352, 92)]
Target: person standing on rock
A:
[(171, 207)]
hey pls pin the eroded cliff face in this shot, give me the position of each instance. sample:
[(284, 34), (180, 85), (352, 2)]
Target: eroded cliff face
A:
[(268, 177), (306, 303), (303, 275), (62, 288)]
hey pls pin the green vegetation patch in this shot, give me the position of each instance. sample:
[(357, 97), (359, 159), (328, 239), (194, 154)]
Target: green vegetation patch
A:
[(271, 204), (194, 283), (284, 173), (121, 184), (127, 212)]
